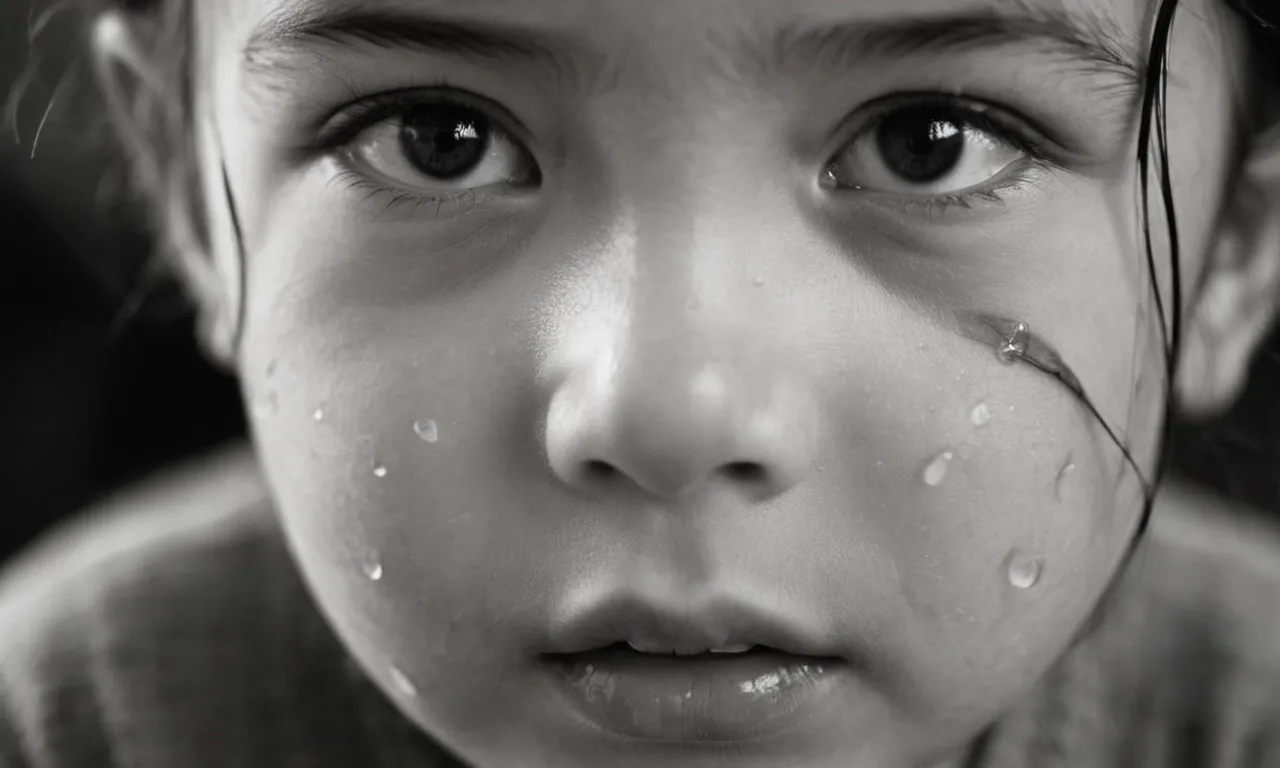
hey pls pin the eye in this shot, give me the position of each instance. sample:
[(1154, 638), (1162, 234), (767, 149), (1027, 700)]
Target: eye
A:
[(442, 148), (927, 150)]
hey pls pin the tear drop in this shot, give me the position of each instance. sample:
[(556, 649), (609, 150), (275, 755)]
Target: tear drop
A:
[(427, 429), (372, 568), (380, 471), (402, 682), (1023, 571), (980, 416), (318, 415), (936, 471), (1060, 485), (758, 282), (1012, 349)]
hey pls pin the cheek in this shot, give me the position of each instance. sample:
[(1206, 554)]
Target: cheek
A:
[(1020, 535), (989, 507), (387, 435)]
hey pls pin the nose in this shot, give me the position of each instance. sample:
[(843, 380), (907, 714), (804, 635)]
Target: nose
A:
[(669, 419), (680, 374)]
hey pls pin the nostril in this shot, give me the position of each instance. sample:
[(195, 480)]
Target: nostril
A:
[(599, 470), (744, 471)]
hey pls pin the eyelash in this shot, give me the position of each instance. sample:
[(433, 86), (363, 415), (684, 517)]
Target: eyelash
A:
[(349, 178), (361, 116), (1028, 175), (342, 127)]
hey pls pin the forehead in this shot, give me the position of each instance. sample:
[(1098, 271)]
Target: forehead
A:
[(563, 12)]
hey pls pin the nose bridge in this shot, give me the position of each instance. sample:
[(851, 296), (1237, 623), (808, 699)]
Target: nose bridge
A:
[(680, 318), (687, 197), (683, 357)]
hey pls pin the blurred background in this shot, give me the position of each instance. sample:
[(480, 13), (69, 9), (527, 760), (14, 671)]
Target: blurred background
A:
[(101, 382), (100, 379)]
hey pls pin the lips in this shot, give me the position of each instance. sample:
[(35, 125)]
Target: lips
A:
[(662, 649), (623, 650), (724, 623), (716, 670)]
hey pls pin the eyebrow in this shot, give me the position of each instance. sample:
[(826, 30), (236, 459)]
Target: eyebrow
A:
[(302, 26), (1090, 38)]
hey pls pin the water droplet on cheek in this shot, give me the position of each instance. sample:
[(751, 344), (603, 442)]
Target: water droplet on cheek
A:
[(1024, 571), (380, 471), (1012, 349), (402, 682), (980, 416), (936, 471), (372, 568), (1061, 483), (318, 415), (758, 282), (427, 429)]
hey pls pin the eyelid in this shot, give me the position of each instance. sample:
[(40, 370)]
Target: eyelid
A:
[(1030, 173), (343, 125), (1016, 130)]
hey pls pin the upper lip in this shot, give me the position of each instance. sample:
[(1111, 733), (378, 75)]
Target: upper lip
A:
[(684, 626)]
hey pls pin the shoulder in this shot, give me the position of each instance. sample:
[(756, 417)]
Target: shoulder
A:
[(176, 529), (1216, 564), (1191, 658), (1183, 665), (114, 621), (179, 504)]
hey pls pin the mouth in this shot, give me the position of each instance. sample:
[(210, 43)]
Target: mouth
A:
[(628, 651), (719, 671)]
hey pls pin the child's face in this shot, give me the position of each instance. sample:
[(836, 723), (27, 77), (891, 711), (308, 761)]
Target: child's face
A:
[(618, 318)]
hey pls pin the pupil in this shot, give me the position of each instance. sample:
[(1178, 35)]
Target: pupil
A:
[(920, 146), (445, 142)]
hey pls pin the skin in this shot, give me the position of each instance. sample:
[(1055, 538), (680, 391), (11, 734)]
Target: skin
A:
[(681, 296)]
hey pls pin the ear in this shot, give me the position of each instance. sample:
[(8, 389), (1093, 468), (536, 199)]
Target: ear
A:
[(136, 89), (1240, 289)]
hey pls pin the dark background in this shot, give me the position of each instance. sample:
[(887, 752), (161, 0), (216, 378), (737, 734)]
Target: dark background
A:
[(100, 378), (96, 388)]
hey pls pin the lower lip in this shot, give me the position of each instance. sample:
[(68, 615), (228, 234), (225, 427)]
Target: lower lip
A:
[(707, 698)]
